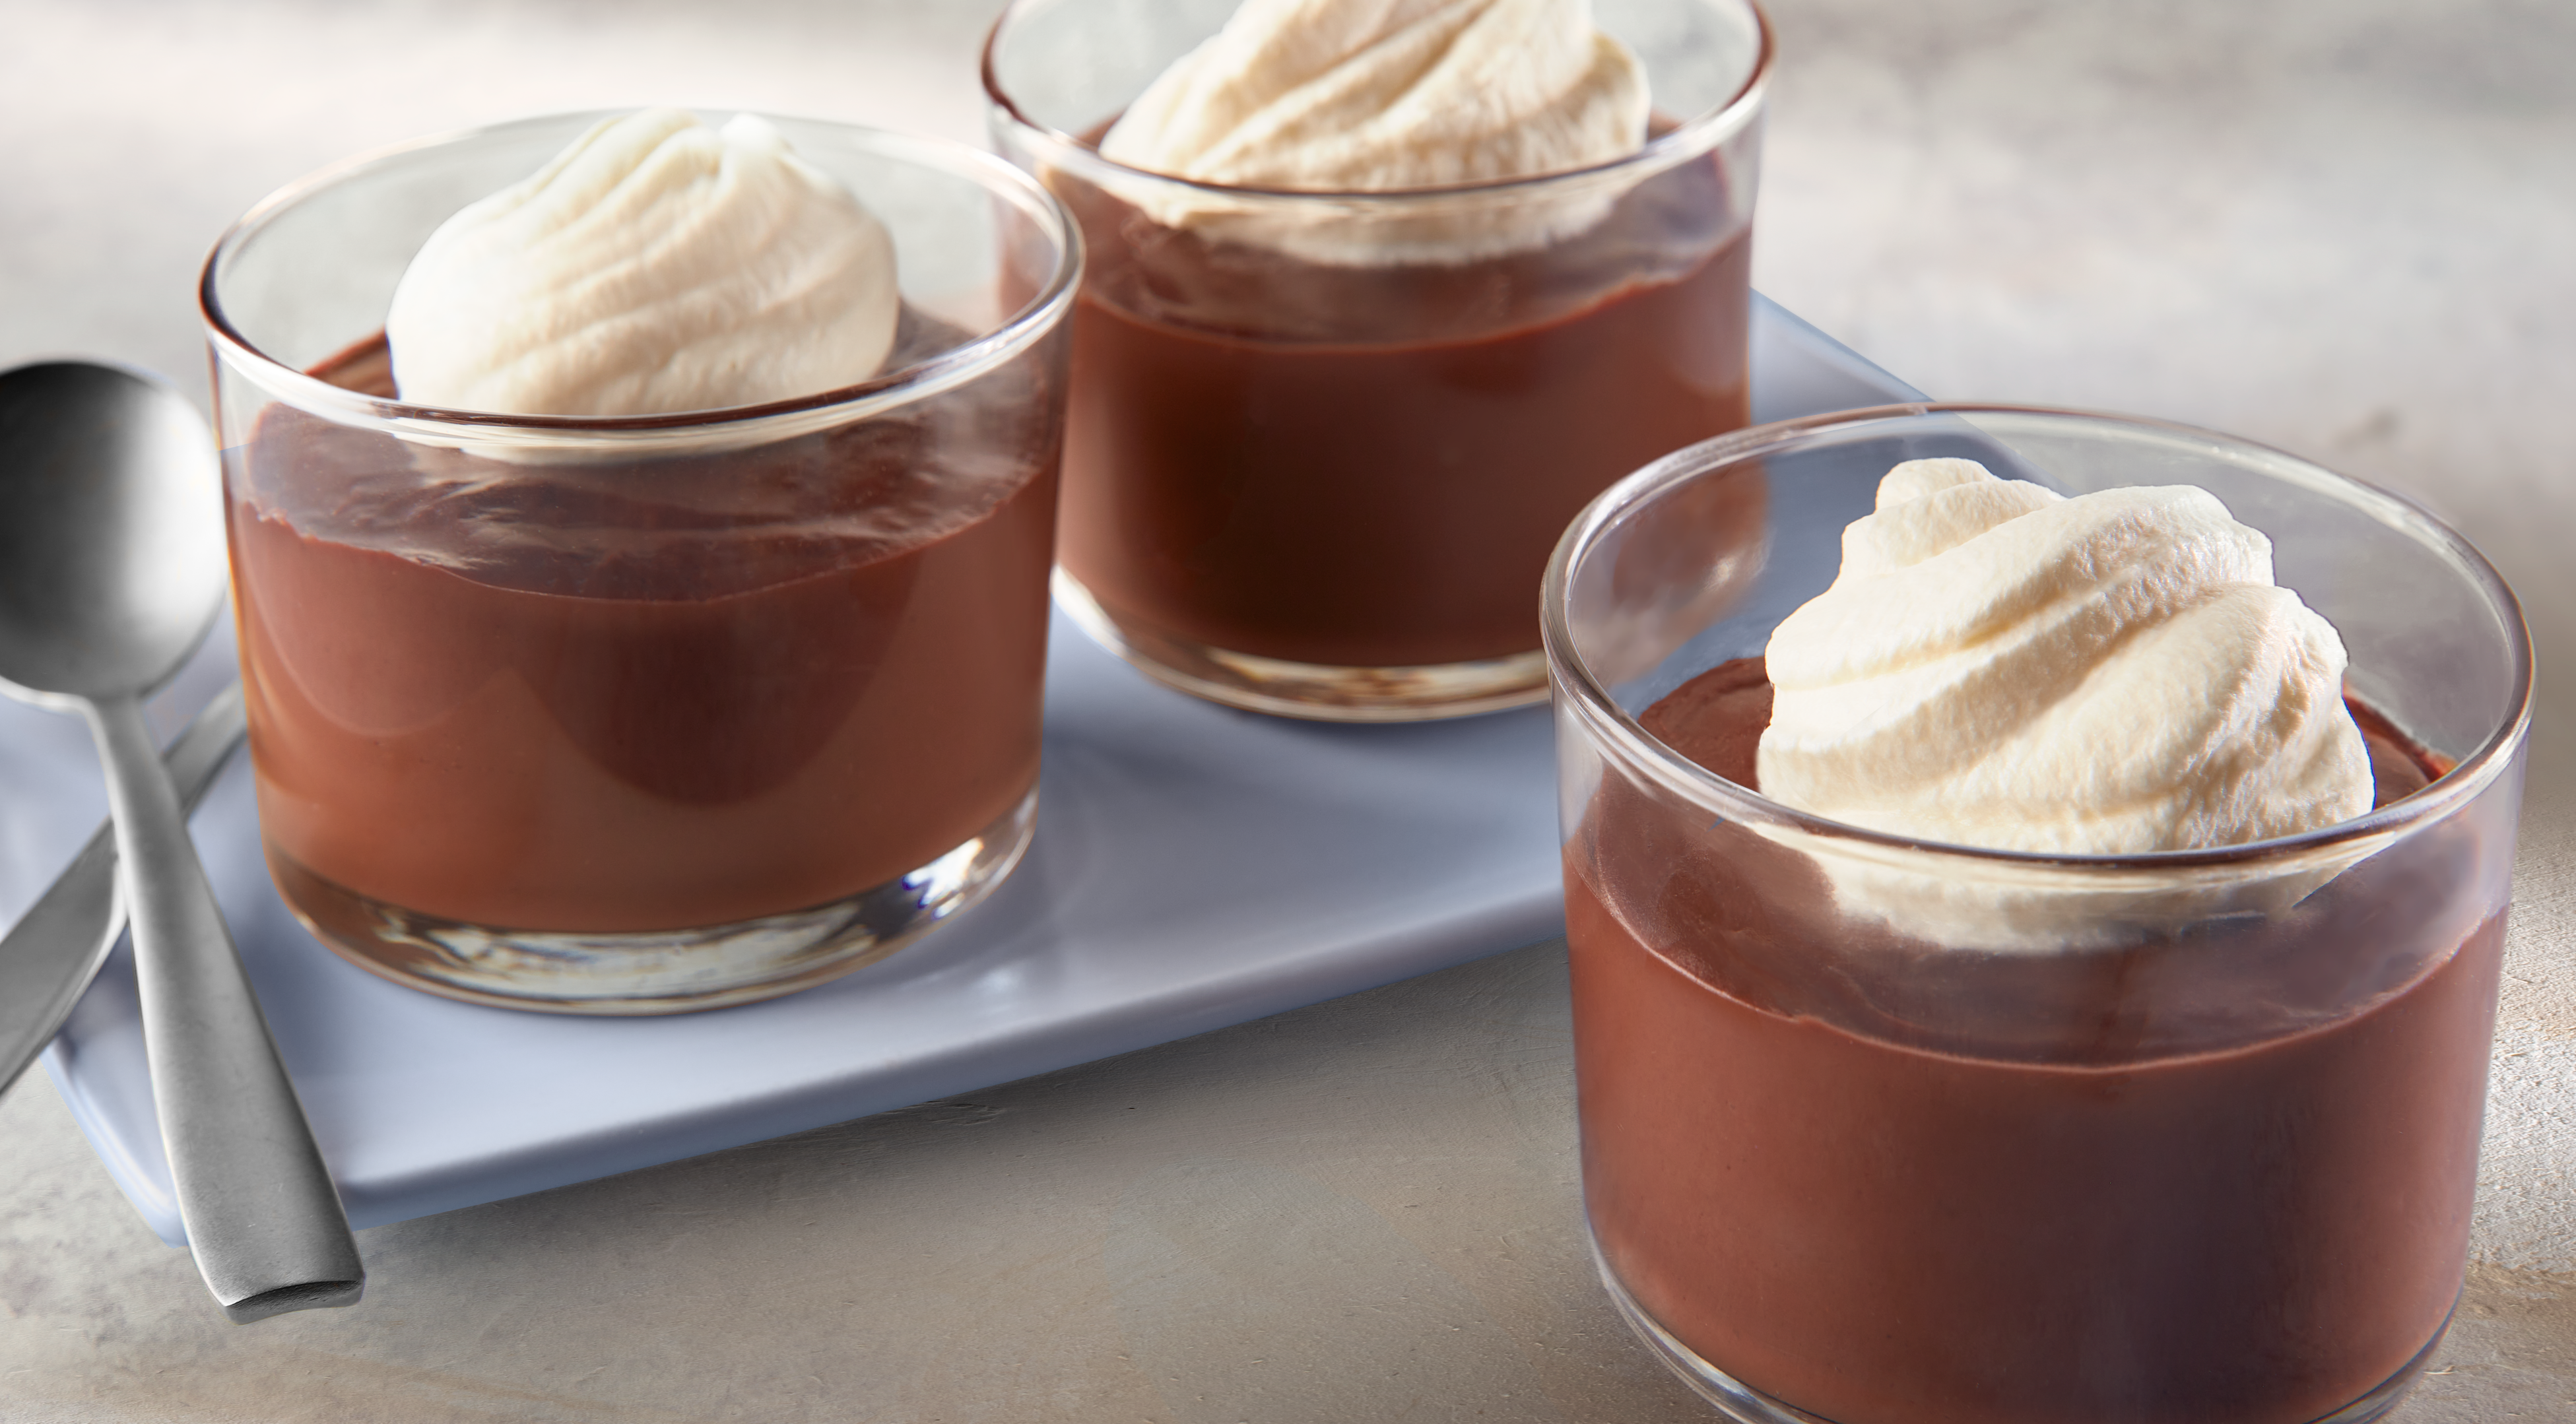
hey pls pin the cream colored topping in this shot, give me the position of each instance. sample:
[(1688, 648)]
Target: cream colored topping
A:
[(1378, 95), (655, 266), (2000, 666)]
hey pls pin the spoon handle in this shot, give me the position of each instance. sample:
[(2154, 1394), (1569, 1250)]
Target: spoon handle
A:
[(262, 1217), (48, 958)]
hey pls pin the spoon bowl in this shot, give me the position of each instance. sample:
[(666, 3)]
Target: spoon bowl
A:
[(111, 545), (112, 566)]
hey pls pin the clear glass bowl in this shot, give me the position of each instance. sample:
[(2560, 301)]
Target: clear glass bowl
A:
[(638, 715), (1881, 1131), (1321, 443)]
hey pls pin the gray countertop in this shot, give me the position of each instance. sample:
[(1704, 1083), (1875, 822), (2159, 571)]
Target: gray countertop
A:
[(2348, 229)]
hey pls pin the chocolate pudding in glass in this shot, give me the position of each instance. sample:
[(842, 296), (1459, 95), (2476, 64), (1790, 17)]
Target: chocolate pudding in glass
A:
[(1880, 1130), (1321, 442), (641, 714)]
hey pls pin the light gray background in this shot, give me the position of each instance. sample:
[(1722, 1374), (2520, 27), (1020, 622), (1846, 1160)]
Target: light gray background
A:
[(2341, 226)]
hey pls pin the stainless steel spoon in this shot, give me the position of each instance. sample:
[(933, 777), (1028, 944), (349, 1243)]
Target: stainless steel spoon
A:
[(111, 568)]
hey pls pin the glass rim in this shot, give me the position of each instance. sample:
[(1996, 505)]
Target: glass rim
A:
[(1033, 319), (1612, 727), (1686, 140)]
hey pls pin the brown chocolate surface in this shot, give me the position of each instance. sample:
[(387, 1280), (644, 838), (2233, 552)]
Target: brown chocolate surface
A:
[(634, 695), (2222, 1177), (1370, 467)]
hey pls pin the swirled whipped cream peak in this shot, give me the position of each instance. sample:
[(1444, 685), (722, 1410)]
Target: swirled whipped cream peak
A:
[(1998, 665), (657, 265), (1378, 95)]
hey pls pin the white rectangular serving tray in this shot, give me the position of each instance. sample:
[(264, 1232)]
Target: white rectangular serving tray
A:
[(1194, 867)]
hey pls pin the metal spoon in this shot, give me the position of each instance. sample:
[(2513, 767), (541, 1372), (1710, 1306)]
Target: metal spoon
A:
[(111, 568)]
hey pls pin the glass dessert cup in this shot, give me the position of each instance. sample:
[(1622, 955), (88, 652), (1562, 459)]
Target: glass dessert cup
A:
[(646, 714), (1316, 458), (1880, 1131)]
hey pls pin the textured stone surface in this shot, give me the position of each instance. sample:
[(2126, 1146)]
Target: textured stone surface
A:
[(2341, 226)]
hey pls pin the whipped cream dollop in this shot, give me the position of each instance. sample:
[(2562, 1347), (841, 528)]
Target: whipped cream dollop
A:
[(657, 265), (2000, 666), (1377, 95)]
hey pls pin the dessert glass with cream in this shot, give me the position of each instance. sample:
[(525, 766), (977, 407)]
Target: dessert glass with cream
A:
[(2112, 1044), (640, 533), (1377, 297)]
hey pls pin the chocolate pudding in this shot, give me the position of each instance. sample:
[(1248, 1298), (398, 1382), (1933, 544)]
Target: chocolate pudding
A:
[(1369, 466), (617, 694), (2171, 1182)]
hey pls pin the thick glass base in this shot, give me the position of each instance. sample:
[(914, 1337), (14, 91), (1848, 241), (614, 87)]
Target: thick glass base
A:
[(658, 971), (1746, 1405), (1312, 690)]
